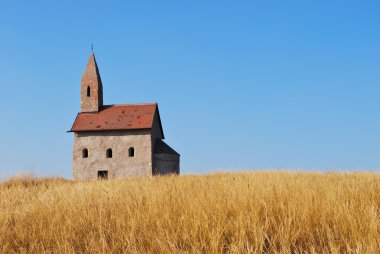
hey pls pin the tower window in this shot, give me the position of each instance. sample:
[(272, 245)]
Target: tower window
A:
[(88, 91), (131, 152), (85, 153), (109, 153), (103, 175)]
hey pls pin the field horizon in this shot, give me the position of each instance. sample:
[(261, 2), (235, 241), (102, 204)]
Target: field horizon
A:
[(28, 175), (237, 212)]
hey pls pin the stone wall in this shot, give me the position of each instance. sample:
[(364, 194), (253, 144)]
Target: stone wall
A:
[(94, 102), (165, 164), (120, 165)]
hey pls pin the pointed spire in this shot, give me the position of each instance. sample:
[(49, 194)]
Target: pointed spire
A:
[(91, 87), (92, 70)]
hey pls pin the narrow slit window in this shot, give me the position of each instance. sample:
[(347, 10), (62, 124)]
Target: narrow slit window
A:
[(85, 153), (88, 91), (109, 153), (103, 175), (131, 152)]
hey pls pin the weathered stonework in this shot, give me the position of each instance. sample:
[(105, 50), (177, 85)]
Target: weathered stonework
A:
[(120, 165), (165, 164), (165, 159)]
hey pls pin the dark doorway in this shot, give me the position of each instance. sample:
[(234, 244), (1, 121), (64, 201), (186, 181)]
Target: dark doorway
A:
[(103, 175)]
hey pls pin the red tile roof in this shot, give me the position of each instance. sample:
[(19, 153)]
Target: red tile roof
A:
[(117, 117)]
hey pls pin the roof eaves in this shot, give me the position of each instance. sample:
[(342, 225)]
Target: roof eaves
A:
[(71, 130), (103, 130)]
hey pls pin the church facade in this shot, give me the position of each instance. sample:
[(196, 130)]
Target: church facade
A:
[(117, 141)]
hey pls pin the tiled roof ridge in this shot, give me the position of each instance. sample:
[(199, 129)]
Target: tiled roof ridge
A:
[(122, 117), (133, 104)]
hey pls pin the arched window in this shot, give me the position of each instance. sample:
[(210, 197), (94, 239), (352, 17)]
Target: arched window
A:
[(84, 153), (109, 153), (131, 152), (88, 91)]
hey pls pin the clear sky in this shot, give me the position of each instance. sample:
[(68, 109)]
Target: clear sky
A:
[(240, 84)]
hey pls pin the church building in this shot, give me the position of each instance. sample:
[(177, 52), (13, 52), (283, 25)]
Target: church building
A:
[(117, 141)]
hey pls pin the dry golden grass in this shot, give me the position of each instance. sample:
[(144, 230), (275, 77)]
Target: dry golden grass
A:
[(263, 212)]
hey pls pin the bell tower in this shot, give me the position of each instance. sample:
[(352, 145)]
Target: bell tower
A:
[(91, 98)]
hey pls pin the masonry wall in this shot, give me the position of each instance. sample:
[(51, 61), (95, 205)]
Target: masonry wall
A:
[(165, 164), (120, 165), (94, 102)]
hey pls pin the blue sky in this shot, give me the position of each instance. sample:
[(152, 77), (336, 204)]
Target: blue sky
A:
[(240, 84)]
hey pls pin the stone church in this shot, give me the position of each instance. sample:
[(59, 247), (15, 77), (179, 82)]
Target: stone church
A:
[(117, 141)]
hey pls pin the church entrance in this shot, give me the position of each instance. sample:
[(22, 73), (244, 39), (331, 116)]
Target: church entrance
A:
[(103, 175)]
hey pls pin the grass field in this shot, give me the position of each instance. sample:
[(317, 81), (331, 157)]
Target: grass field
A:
[(261, 212)]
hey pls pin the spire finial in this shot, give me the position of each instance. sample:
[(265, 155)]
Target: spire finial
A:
[(92, 48)]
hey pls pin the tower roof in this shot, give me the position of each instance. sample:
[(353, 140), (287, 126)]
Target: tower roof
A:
[(92, 71)]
